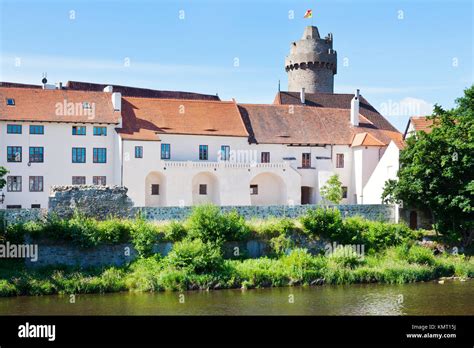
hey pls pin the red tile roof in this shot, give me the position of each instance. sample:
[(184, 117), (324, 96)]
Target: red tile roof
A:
[(143, 118), (139, 92), (299, 124), (365, 139), (48, 106), (422, 123)]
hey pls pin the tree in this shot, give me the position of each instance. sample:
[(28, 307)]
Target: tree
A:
[(3, 172), (332, 190), (437, 171)]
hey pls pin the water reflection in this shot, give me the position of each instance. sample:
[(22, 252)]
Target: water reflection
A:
[(430, 298)]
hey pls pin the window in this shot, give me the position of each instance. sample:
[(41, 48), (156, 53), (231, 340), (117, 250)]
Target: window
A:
[(36, 184), (203, 189), (14, 128), (78, 155), (14, 183), (35, 129), (10, 102), (165, 151), (306, 160), (36, 154), (340, 160), (78, 180), (344, 191), (138, 151), (36, 206), (78, 130), (14, 206), (99, 180), (254, 189), (14, 154), (86, 105), (203, 152), (155, 189), (225, 153), (265, 157), (100, 155), (99, 131)]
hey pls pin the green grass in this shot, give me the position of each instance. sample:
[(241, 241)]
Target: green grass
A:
[(179, 271)]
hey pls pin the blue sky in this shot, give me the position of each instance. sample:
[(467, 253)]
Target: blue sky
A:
[(403, 55)]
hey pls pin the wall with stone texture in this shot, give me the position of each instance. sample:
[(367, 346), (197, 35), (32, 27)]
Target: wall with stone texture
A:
[(54, 253), (370, 211), (91, 200), (379, 212)]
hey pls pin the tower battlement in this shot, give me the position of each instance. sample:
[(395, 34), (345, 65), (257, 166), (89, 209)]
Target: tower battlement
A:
[(312, 63)]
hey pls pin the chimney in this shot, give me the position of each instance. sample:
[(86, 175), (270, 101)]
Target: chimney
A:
[(59, 85), (117, 101), (355, 109), (109, 89), (302, 96)]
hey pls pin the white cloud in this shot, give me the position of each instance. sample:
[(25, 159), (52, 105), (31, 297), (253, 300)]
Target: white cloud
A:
[(408, 106)]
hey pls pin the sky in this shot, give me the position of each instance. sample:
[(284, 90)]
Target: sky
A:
[(404, 56)]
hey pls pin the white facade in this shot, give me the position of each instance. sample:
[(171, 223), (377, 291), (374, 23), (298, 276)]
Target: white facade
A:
[(253, 174), (386, 169), (230, 182), (57, 167)]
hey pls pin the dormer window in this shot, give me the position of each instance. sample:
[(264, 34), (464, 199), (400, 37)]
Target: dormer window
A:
[(10, 102)]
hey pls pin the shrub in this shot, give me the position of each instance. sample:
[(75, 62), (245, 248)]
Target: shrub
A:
[(420, 255), (175, 231), (347, 257), (114, 230), (326, 223), (281, 244), (144, 235), (273, 227), (209, 224), (195, 256)]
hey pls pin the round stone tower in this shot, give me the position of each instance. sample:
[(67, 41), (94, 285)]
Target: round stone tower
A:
[(312, 63)]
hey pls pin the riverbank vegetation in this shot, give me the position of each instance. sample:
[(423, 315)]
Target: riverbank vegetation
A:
[(196, 261)]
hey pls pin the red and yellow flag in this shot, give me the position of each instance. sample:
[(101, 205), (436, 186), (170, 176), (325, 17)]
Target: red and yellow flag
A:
[(308, 14)]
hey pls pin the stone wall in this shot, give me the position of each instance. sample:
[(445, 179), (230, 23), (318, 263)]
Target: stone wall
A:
[(13, 216), (370, 211), (55, 253), (91, 200)]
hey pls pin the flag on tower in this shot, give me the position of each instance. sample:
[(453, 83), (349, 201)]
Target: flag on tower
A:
[(308, 14)]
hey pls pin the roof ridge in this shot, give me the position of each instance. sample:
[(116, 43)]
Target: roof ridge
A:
[(181, 99)]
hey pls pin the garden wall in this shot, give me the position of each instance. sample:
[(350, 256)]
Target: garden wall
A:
[(55, 253), (379, 212), (370, 211)]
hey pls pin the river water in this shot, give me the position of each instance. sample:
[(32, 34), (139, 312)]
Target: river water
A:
[(430, 298)]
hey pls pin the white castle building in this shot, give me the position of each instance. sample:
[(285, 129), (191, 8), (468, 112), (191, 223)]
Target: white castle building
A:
[(179, 148)]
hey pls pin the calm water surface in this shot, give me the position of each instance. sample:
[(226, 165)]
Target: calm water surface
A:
[(431, 298)]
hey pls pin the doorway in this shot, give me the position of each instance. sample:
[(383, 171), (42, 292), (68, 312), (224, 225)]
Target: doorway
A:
[(306, 194)]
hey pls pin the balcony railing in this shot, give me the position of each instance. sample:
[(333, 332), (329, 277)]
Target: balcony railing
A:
[(223, 164)]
